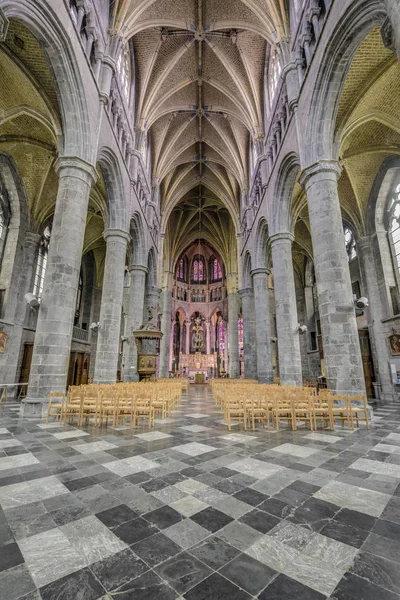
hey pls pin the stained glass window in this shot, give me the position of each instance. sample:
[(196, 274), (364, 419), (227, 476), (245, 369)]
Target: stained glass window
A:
[(41, 263), (350, 241), (240, 336), (217, 271), (181, 270), (221, 336), (123, 68), (394, 224), (274, 73), (4, 218), (198, 270)]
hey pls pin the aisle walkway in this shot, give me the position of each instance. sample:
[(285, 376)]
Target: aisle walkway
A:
[(192, 511)]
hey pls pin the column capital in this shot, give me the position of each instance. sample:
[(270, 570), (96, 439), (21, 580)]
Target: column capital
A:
[(246, 293), (116, 233), (281, 237), (74, 166), (363, 243), (32, 239), (323, 169), (152, 290), (138, 269), (260, 271)]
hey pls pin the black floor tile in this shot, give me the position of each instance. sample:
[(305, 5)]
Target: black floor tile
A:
[(379, 571), (156, 549), (352, 536), (214, 552), (148, 586), (79, 484), (227, 486), (304, 487), (211, 519), (381, 546), (387, 529), (163, 517), (81, 585), (355, 519), (183, 572), (276, 507), (251, 497), (134, 531), (116, 516), (137, 478), (352, 587), (260, 520), (68, 514), (216, 587), (224, 472), (153, 485), (248, 573), (285, 588), (118, 569), (314, 513), (10, 556)]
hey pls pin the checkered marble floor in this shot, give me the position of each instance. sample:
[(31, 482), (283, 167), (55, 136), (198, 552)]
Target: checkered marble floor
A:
[(190, 510)]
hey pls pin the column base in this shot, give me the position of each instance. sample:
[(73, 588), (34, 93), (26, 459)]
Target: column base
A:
[(33, 409)]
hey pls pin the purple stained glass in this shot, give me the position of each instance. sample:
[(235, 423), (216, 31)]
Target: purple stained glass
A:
[(240, 335), (196, 270), (201, 270), (221, 336), (180, 273)]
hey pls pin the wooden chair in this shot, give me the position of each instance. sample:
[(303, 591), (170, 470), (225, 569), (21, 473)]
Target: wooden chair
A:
[(58, 406), (355, 408), (107, 407), (236, 408), (320, 409), (143, 409), (283, 409), (302, 409), (340, 410), (256, 410), (90, 404), (73, 405)]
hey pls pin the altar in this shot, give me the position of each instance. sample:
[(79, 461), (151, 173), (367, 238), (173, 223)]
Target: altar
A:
[(198, 367)]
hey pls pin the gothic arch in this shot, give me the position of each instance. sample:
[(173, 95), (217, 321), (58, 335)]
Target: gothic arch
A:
[(261, 250), (388, 174), (138, 256), (116, 207), (247, 280), (352, 28), (281, 213), (56, 46), (152, 268)]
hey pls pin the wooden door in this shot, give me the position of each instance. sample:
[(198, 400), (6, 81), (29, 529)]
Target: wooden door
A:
[(368, 365), (26, 363)]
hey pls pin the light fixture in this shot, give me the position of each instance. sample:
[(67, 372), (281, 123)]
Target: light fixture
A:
[(32, 300), (302, 329), (95, 326)]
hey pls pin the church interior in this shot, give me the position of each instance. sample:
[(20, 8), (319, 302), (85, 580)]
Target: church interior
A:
[(199, 299)]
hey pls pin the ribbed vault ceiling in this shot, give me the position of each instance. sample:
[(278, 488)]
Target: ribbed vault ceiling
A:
[(199, 67)]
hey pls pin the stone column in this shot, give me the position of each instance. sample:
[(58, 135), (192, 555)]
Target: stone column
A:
[(187, 322), (226, 353), (233, 316), (249, 333), (152, 309), (93, 335), (375, 313), (51, 352), (134, 319), (208, 334), (265, 372), (108, 340), (391, 27), (343, 364), (166, 307), (286, 310)]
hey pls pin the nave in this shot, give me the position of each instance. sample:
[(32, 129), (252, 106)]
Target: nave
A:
[(190, 510)]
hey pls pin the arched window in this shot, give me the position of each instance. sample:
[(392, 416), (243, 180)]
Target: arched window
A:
[(41, 263), (273, 73), (180, 272), (394, 225), (124, 71), (350, 242), (216, 270), (221, 336), (78, 300), (5, 214), (198, 272), (240, 336)]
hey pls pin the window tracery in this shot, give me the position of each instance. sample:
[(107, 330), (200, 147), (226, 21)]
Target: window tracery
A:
[(274, 73), (42, 263), (350, 242), (198, 270), (5, 215), (394, 225), (124, 71)]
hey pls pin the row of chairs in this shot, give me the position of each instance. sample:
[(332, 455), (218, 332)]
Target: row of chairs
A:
[(249, 403), (117, 404)]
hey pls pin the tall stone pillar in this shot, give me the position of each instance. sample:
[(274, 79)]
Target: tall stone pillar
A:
[(391, 27), (108, 341), (367, 250), (343, 364), (265, 372), (166, 307), (226, 353), (51, 352), (286, 310), (134, 319), (187, 341), (233, 316), (208, 336), (249, 333)]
